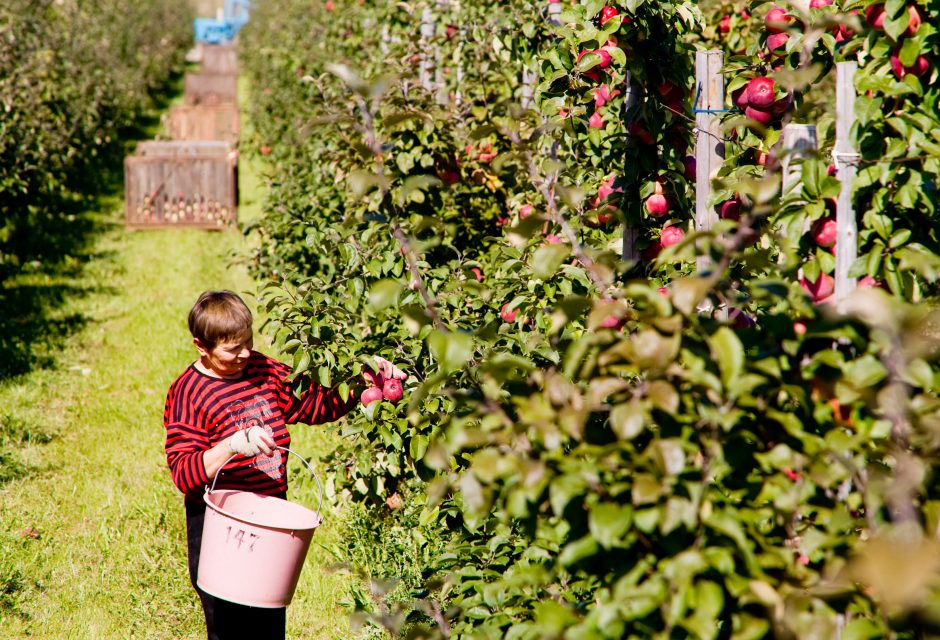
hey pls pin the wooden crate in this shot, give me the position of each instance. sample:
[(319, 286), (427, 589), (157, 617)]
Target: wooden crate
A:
[(203, 122), (184, 148), (210, 88), (218, 58), (183, 184)]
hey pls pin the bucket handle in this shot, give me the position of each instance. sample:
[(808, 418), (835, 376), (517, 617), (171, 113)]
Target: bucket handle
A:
[(297, 455)]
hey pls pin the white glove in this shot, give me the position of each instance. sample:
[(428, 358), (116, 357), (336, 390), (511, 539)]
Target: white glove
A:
[(386, 371), (251, 441)]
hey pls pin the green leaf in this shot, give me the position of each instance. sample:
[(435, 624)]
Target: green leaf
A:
[(628, 420), (608, 522), (547, 259), (578, 550), (417, 447), (728, 352), (301, 361), (419, 183), (384, 293), (452, 350)]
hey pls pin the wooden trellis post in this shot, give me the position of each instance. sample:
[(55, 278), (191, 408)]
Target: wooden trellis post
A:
[(845, 155), (529, 78), (709, 145), (631, 97), (425, 64), (799, 142)]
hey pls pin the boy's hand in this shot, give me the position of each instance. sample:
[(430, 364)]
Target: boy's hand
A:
[(251, 441), (387, 371)]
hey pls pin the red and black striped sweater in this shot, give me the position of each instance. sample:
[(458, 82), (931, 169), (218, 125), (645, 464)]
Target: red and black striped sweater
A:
[(201, 410)]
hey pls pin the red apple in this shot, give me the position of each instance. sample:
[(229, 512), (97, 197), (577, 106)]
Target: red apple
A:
[(640, 132), (819, 4), (613, 322), (777, 43), (608, 13), (392, 390), (525, 211), (875, 16), (508, 315), (671, 236), (824, 232), (739, 97), (603, 95), (919, 68), (670, 92), (689, 167), (594, 73), (758, 115), (265, 150), (913, 23), (777, 20), (596, 121), (448, 177), (820, 289), (552, 239), (740, 320), (370, 395), (725, 25), (867, 282), (779, 107), (328, 5), (731, 209), (657, 205), (760, 92)]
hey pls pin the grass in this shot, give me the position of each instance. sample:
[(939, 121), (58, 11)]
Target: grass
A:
[(92, 540)]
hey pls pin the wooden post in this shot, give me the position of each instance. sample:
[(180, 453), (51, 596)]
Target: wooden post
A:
[(709, 145), (528, 87), (631, 97), (425, 65), (845, 155), (799, 141), (383, 47)]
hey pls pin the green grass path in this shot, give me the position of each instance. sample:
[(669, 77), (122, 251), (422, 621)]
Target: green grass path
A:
[(107, 557)]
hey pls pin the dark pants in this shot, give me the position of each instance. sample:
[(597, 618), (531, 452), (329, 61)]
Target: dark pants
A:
[(227, 620)]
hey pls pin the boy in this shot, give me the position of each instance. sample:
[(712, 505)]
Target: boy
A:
[(234, 400)]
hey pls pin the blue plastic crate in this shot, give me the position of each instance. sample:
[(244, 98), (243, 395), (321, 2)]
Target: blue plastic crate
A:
[(213, 31), (236, 12)]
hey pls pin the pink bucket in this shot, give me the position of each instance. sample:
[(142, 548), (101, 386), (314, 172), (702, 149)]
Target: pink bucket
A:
[(254, 546)]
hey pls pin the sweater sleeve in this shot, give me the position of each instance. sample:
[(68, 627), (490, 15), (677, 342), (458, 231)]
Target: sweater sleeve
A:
[(316, 406), (185, 444)]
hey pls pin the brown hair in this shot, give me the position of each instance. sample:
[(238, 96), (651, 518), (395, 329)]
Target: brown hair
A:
[(220, 316)]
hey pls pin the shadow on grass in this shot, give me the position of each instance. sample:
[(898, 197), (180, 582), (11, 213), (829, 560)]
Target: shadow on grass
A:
[(53, 240)]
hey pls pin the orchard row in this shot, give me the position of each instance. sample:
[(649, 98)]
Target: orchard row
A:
[(600, 438)]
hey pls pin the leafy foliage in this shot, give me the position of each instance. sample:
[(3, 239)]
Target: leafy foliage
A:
[(75, 77), (606, 440)]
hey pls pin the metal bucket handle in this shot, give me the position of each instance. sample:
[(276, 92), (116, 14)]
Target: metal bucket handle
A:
[(297, 455)]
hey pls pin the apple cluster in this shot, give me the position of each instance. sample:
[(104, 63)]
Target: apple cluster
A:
[(876, 15), (388, 388)]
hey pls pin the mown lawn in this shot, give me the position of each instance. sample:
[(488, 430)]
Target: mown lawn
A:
[(91, 529)]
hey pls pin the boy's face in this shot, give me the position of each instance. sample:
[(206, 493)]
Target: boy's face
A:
[(226, 359)]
